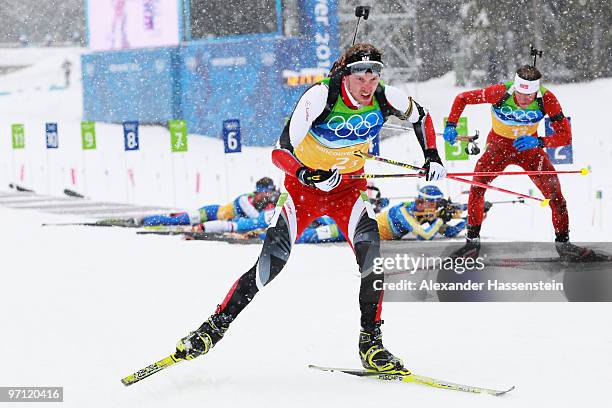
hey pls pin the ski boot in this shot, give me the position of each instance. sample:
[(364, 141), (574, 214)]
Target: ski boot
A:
[(569, 252), (471, 249), (374, 356), (204, 338)]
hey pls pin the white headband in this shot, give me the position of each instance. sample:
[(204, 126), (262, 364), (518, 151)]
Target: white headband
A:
[(524, 86)]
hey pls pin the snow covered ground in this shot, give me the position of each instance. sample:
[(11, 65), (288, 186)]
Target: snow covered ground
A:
[(82, 307)]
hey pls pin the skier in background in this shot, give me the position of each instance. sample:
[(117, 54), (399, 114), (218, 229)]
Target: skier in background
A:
[(250, 206), (67, 67), (118, 34), (425, 218), (333, 120), (517, 108)]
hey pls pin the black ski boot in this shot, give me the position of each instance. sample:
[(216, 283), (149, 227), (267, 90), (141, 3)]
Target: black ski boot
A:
[(471, 249), (204, 338), (374, 356), (569, 252)]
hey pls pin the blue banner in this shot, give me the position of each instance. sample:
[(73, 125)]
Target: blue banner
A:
[(130, 136), (558, 155), (256, 79), (51, 135), (134, 84), (319, 25), (242, 79), (232, 140)]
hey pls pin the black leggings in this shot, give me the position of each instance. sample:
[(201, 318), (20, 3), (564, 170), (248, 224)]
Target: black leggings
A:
[(275, 253)]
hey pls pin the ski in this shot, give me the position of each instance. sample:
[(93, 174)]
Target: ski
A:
[(72, 193), (74, 224), (21, 189), (118, 222), (151, 369), (414, 378), (593, 258), (191, 233)]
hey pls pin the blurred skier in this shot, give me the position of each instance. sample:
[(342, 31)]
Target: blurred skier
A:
[(67, 67), (324, 229), (244, 206), (118, 33), (517, 108), (426, 217), (250, 206), (333, 119)]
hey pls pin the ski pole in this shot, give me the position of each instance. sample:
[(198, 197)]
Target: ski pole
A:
[(520, 200), (583, 171), (373, 176), (472, 146), (466, 138), (543, 201)]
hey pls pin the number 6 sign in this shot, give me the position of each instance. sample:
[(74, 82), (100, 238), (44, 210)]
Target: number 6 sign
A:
[(232, 140)]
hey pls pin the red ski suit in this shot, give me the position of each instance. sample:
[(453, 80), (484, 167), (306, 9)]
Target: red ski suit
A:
[(500, 152)]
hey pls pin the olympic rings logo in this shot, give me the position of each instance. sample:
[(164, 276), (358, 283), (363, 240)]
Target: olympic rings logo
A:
[(355, 125), (519, 115)]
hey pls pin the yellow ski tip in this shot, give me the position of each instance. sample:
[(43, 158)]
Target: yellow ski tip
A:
[(545, 202), (584, 171)]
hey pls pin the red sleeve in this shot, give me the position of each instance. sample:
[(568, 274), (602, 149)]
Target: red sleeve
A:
[(561, 126), (490, 94), (430, 133), (287, 162)]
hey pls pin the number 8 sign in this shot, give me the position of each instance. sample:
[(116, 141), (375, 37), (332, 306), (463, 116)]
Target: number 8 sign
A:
[(130, 136)]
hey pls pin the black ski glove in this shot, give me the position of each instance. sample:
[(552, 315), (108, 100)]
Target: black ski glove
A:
[(325, 180), (433, 169)]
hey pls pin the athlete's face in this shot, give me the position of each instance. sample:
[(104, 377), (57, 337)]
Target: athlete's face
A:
[(362, 86), (262, 199), (426, 205), (523, 100)]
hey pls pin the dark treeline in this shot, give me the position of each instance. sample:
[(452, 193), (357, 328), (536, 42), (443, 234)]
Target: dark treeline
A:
[(486, 40), (482, 40)]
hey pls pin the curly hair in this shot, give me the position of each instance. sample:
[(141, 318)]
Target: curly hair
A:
[(529, 73), (353, 52)]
